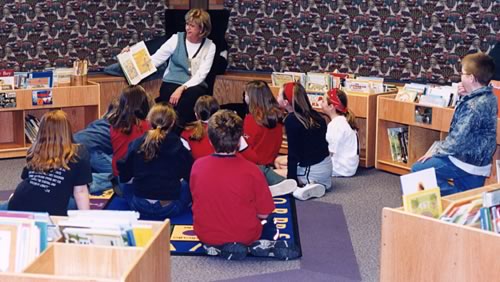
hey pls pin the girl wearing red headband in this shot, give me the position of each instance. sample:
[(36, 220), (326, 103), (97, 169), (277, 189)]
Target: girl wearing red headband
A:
[(308, 160), (341, 134)]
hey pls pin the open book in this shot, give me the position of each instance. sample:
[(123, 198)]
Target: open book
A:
[(136, 64)]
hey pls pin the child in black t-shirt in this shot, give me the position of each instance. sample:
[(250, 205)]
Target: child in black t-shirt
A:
[(56, 169)]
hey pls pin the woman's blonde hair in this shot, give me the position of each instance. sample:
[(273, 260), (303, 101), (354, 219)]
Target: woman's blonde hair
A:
[(204, 108), (262, 104), (53, 147), (202, 19), (162, 118)]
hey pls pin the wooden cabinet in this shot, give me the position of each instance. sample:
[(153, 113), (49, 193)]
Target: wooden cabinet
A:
[(419, 248), (392, 113), (81, 103), (112, 86), (71, 262)]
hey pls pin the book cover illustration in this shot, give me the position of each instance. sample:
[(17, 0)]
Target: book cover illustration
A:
[(8, 100), (7, 80), (315, 98), (40, 79), (423, 114), (41, 97), (279, 79), (425, 202), (136, 64), (318, 82)]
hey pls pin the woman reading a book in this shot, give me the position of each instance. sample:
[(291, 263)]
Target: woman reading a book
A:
[(191, 56), (465, 155), (56, 169)]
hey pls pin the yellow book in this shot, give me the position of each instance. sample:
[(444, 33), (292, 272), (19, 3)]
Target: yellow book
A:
[(426, 202), (142, 234)]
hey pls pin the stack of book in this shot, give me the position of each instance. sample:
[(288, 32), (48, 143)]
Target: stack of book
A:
[(490, 212), (31, 126), (23, 236), (108, 228), (464, 212), (398, 141), (421, 194)]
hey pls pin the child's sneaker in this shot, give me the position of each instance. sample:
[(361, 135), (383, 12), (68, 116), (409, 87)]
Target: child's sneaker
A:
[(234, 251), (284, 187), (281, 249), (309, 191)]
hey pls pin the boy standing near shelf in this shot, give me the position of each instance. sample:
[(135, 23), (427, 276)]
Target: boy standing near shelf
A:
[(465, 155), (231, 199)]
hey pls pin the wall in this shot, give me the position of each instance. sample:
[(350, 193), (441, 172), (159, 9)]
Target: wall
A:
[(407, 40), (39, 34)]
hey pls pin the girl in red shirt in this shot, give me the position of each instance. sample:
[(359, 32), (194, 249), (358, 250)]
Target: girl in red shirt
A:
[(196, 132), (129, 121)]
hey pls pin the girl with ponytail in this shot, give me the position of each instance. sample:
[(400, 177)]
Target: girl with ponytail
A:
[(159, 165), (196, 132), (341, 135), (308, 160)]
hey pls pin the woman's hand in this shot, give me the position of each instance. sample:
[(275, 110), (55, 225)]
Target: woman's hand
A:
[(125, 49), (424, 158), (174, 99), (461, 89)]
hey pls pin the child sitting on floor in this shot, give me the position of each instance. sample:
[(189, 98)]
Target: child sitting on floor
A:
[(159, 165), (341, 135), (56, 169), (231, 198), (308, 160)]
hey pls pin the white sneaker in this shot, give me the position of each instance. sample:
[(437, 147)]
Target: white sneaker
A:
[(284, 187), (309, 191)]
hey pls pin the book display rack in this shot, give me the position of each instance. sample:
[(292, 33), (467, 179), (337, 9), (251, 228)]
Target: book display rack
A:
[(81, 103), (73, 262), (425, 125), (420, 248)]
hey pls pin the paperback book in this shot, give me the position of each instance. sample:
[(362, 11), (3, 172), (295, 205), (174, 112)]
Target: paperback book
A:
[(7, 80), (7, 99), (136, 64), (41, 97), (424, 202)]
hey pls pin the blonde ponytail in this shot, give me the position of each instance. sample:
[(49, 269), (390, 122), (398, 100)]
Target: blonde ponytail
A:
[(351, 119), (198, 130), (162, 118)]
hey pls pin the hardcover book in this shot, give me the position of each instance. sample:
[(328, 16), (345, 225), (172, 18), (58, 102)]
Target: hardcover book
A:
[(41, 97), (136, 64), (7, 80), (426, 202), (8, 100)]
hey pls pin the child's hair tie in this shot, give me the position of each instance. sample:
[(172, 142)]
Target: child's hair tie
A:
[(288, 91), (334, 98)]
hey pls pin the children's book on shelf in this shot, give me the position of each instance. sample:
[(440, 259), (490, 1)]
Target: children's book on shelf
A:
[(315, 99), (8, 99), (21, 80), (136, 64), (280, 78), (7, 81), (398, 142), (425, 202), (42, 79), (317, 82), (31, 126), (465, 212), (62, 76), (418, 181), (41, 97)]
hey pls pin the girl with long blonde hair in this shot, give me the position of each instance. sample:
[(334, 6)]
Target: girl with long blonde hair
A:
[(159, 164), (56, 169)]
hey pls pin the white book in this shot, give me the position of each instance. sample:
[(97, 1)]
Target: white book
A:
[(136, 63), (491, 198), (417, 181), (94, 236)]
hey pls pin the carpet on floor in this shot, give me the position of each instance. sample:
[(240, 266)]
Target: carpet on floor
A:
[(184, 242)]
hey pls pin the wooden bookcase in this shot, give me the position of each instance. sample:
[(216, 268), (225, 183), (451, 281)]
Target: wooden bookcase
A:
[(112, 86), (72, 262), (418, 248), (81, 103), (393, 113)]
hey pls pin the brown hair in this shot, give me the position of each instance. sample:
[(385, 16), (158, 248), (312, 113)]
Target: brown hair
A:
[(262, 104), (302, 108), (480, 65), (224, 131), (133, 107), (349, 115), (162, 118), (204, 108), (201, 18), (53, 147)]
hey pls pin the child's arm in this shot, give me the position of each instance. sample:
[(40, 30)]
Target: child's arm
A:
[(81, 195)]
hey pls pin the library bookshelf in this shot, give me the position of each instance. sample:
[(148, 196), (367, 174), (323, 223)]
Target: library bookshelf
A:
[(419, 248), (81, 103), (392, 113), (112, 86), (72, 262)]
